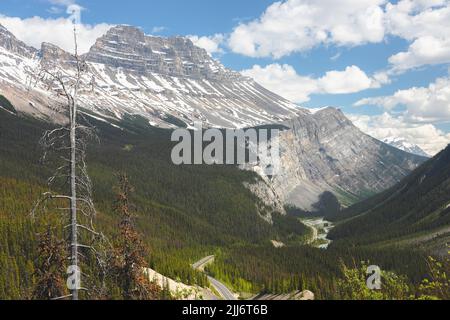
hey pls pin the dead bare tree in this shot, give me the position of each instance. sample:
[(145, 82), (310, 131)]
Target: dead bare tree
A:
[(66, 146)]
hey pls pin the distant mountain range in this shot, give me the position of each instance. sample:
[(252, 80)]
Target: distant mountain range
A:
[(403, 144), (169, 83)]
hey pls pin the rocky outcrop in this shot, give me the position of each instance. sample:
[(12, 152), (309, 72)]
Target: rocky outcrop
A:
[(129, 48), (305, 295), (324, 151), (269, 199), (54, 55), (9, 42)]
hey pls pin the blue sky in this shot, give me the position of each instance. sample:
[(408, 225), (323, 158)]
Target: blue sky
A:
[(386, 64), (202, 17)]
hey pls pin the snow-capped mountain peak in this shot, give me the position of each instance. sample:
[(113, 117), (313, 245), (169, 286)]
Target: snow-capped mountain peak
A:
[(403, 144), (165, 80)]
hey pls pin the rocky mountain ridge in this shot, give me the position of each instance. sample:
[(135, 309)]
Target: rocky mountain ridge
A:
[(129, 48), (413, 213), (159, 79), (169, 82)]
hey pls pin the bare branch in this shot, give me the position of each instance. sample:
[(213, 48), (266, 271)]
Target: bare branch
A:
[(67, 145)]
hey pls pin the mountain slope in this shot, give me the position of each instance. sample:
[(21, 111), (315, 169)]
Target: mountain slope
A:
[(414, 211), (183, 212), (324, 151), (168, 81), (171, 83)]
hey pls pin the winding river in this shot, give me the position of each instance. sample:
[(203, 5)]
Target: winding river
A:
[(320, 228)]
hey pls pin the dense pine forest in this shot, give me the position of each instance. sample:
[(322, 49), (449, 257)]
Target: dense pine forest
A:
[(418, 207), (258, 269), (182, 212)]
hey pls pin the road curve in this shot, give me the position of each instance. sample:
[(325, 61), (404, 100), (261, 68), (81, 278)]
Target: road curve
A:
[(219, 286), (222, 289), (201, 264)]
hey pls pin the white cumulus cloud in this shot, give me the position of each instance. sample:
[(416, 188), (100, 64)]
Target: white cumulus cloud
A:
[(426, 50), (422, 104), (411, 114), (59, 31), (350, 80), (285, 81), (299, 25), (33, 31), (292, 26), (426, 24), (427, 136)]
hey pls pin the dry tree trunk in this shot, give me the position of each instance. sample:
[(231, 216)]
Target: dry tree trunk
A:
[(68, 145), (73, 172)]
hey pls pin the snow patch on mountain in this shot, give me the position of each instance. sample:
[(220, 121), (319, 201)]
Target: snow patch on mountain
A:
[(152, 77), (403, 144)]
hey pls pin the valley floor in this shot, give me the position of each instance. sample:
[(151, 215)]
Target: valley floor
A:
[(320, 229)]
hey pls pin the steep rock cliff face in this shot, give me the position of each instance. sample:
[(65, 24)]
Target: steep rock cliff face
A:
[(270, 200), (129, 48), (324, 151)]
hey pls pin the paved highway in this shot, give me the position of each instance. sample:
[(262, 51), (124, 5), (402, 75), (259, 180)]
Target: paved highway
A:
[(222, 289), (219, 286), (201, 264)]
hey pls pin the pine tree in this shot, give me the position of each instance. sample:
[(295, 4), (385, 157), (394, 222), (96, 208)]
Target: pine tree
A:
[(50, 270), (130, 253)]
